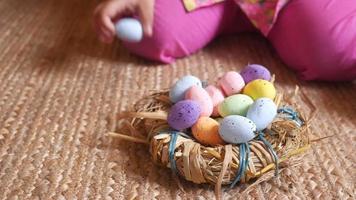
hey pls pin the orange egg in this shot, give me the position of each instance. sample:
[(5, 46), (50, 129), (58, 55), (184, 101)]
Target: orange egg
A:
[(206, 131)]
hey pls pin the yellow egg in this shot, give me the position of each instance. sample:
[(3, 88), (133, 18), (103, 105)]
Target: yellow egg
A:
[(260, 88), (206, 131)]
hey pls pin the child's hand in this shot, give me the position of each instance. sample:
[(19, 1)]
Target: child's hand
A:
[(108, 12)]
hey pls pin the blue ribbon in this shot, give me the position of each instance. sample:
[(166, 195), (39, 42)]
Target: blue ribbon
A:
[(291, 114), (172, 146), (274, 154), (244, 147), (244, 157)]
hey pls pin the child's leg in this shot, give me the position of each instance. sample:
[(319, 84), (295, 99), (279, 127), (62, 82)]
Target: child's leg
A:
[(177, 33), (318, 38)]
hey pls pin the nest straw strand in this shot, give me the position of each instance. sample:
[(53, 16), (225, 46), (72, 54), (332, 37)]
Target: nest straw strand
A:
[(215, 165)]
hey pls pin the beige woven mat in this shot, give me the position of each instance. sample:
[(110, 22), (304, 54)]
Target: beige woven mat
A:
[(59, 88)]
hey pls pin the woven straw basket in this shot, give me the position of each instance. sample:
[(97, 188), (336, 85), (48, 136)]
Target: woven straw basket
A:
[(287, 136)]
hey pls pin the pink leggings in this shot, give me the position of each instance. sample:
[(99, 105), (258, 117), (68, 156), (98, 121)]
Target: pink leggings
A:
[(317, 38)]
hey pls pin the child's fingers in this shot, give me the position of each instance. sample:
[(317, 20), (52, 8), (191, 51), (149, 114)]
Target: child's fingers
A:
[(106, 36), (108, 26), (115, 9), (99, 33), (102, 34), (105, 14), (146, 13), (103, 30)]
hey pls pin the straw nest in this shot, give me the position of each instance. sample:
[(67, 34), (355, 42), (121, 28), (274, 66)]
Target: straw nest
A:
[(204, 164)]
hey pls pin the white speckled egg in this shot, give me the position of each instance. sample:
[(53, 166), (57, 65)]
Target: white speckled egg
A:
[(178, 90), (236, 129), (129, 30), (262, 112)]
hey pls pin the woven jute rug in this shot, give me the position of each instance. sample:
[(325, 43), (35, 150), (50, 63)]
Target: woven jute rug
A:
[(61, 89)]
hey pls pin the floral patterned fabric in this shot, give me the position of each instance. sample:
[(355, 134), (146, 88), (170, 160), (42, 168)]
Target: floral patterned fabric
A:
[(191, 5), (262, 13)]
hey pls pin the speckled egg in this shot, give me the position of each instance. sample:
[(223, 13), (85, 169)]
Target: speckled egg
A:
[(217, 96), (183, 114), (206, 131), (231, 83), (201, 96), (260, 88), (262, 112), (129, 30), (237, 104), (255, 71), (236, 129), (178, 90)]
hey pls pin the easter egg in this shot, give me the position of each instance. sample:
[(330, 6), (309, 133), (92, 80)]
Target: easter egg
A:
[(198, 94), (129, 30), (236, 129), (237, 104), (262, 112), (217, 96), (260, 88), (255, 71), (206, 131), (183, 114), (219, 119), (177, 92), (231, 83)]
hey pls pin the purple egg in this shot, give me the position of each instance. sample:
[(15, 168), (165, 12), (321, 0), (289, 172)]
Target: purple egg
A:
[(183, 114), (255, 71)]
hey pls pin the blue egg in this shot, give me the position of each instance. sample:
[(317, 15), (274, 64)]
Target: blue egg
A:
[(262, 112), (236, 129), (178, 90), (129, 30)]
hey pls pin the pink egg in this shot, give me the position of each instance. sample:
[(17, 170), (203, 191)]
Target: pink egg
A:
[(231, 83), (201, 96), (217, 96)]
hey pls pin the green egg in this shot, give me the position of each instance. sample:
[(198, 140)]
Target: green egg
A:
[(237, 104), (218, 119)]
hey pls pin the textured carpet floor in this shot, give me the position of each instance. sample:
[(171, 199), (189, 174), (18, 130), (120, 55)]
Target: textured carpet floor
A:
[(59, 86)]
